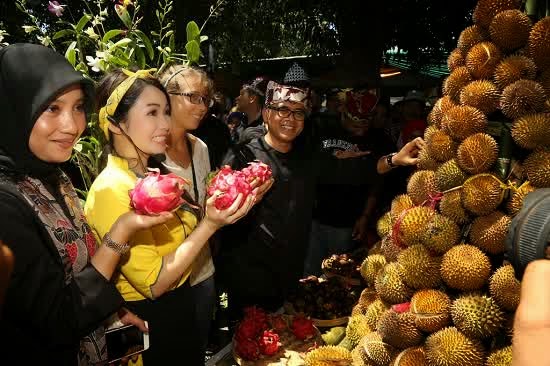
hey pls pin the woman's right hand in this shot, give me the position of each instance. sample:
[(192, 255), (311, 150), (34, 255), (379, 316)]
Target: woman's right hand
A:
[(218, 218), (131, 222)]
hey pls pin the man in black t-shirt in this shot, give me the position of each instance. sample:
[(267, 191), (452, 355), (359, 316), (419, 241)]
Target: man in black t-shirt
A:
[(250, 101)]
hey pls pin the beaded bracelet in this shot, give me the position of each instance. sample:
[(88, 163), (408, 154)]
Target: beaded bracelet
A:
[(120, 248)]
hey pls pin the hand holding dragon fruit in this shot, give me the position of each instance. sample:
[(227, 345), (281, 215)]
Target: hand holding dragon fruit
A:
[(257, 170), (157, 193), (269, 343)]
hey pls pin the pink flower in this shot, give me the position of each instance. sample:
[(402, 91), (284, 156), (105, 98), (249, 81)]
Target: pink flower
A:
[(157, 193), (226, 185), (55, 8)]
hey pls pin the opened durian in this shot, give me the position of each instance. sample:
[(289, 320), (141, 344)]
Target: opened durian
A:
[(414, 356)]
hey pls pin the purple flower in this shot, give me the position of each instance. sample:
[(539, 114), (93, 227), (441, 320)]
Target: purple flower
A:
[(55, 8)]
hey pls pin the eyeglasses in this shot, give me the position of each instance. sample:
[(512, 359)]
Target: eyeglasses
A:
[(299, 115), (196, 98)]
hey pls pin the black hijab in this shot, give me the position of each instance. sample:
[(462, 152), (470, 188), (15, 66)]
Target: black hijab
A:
[(31, 77)]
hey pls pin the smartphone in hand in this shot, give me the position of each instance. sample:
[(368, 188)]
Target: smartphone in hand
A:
[(125, 341)]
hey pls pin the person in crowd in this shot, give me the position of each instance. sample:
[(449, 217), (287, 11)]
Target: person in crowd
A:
[(332, 102), (250, 101), (351, 136), (413, 116), (61, 291), (154, 276), (262, 257), (234, 121)]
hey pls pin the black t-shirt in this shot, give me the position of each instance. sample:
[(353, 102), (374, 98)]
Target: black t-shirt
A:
[(341, 203), (252, 131), (216, 136)]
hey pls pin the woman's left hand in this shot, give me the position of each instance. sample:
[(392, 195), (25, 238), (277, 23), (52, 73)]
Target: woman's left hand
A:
[(408, 155), (128, 318)]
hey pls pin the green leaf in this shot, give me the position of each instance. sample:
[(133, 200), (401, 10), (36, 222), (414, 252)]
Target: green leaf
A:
[(82, 22), (140, 58), (193, 52), (118, 61), (121, 43), (70, 54), (203, 38), (123, 14), (112, 33), (172, 42), (193, 31), (63, 33), (147, 43)]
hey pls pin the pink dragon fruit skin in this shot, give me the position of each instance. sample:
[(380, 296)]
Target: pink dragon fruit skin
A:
[(269, 343), (248, 349), (259, 170), (401, 308), (229, 183), (157, 193)]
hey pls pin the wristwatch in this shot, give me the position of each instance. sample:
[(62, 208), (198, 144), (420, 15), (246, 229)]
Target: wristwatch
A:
[(389, 158), (120, 248)]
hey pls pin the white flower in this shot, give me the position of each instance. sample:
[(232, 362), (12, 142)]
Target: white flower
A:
[(96, 63), (29, 28), (91, 33), (2, 34), (46, 41)]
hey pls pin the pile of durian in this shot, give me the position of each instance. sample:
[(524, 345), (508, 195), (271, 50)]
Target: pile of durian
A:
[(440, 292)]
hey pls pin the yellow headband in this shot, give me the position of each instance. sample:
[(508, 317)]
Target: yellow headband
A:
[(116, 96)]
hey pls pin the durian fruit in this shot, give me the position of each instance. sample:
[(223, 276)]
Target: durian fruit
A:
[(439, 109), (357, 360), (367, 297), (489, 232), (431, 309), (429, 131), (544, 80), (477, 316), (441, 146), (482, 193), (376, 248), (414, 356), (413, 225), (517, 196), (400, 204), (471, 36), (458, 79), (455, 59), (522, 97), (450, 347), (371, 267), (502, 357), (346, 344), (389, 249), (532, 131), (510, 29), (421, 185), (334, 335), (539, 43), (451, 206), (486, 10), (441, 234), (449, 175), (374, 312), (465, 267), (399, 329), (390, 287), (357, 328), (482, 60), (514, 68), (426, 161), (328, 356), (537, 168), (477, 153), (418, 268), (374, 350), (481, 94), (463, 121), (384, 225), (505, 288)]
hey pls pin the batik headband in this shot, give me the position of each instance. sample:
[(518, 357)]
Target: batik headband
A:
[(107, 112), (277, 93)]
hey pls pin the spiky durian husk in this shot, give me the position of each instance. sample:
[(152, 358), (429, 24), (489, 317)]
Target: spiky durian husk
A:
[(357, 360), (449, 175), (390, 287), (454, 83), (441, 234), (430, 130), (450, 347), (328, 355), (510, 29), (421, 185), (505, 288), (489, 232), (477, 316), (463, 121), (532, 131), (482, 60), (440, 146), (544, 81), (390, 249), (482, 194), (374, 312), (522, 97), (456, 59), (477, 153), (384, 225), (371, 267), (374, 351), (465, 267), (502, 357), (539, 43), (486, 10), (514, 68), (426, 161), (357, 328), (413, 225), (399, 329), (376, 248), (537, 168), (471, 36), (414, 356), (451, 207), (418, 268), (431, 309), (481, 94), (517, 196), (400, 204)]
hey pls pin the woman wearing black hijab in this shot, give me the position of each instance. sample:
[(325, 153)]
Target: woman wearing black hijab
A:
[(60, 291)]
